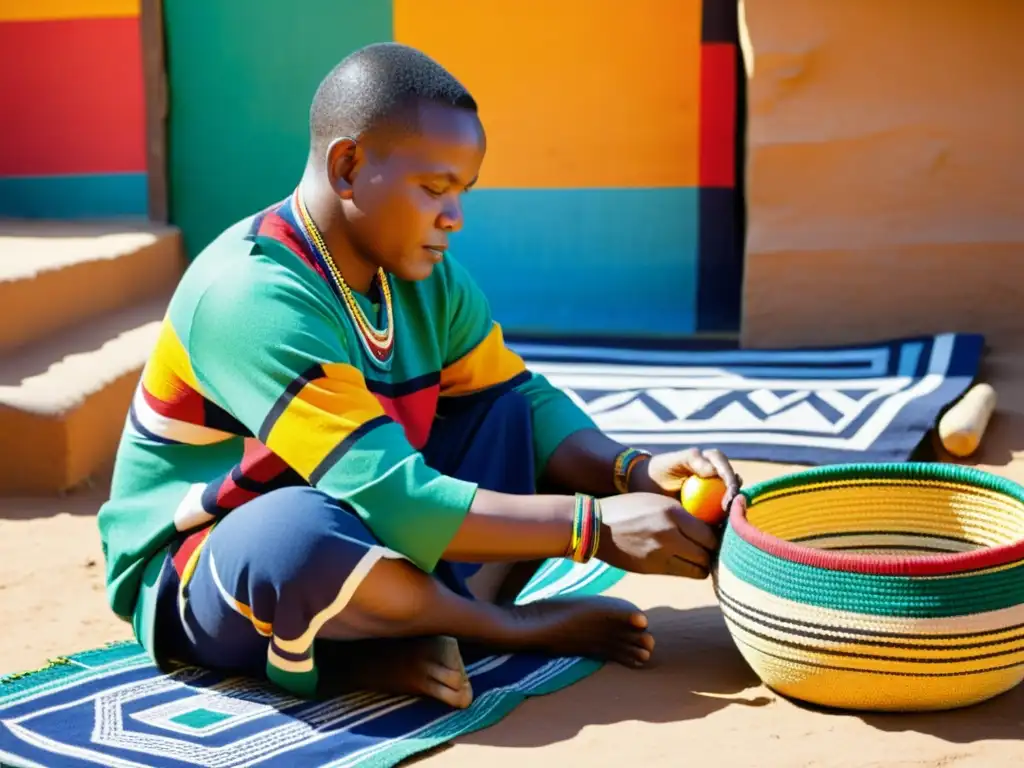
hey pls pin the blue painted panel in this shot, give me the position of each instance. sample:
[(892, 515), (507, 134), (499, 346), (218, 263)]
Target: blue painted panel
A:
[(592, 261), (87, 196)]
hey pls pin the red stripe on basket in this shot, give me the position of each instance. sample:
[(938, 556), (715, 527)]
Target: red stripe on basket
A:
[(878, 565)]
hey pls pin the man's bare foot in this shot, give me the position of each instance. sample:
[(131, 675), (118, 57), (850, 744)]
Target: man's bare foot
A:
[(427, 666), (604, 628)]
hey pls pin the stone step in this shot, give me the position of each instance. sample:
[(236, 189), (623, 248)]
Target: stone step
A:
[(63, 401), (55, 275)]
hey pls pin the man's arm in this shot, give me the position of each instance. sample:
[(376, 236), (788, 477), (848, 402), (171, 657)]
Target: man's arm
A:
[(572, 454), (269, 353), (585, 463)]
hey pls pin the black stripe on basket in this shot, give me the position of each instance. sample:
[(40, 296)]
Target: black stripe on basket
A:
[(880, 673), (824, 486), (894, 548), (875, 656), (908, 534), (866, 637)]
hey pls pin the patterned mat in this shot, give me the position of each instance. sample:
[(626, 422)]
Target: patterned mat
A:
[(111, 707), (872, 403)]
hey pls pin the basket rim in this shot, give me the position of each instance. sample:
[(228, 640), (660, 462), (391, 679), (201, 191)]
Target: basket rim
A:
[(881, 565)]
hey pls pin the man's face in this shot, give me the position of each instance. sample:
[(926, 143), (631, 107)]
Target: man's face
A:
[(406, 201)]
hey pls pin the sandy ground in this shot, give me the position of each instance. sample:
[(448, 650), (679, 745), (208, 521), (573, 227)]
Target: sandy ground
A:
[(698, 699)]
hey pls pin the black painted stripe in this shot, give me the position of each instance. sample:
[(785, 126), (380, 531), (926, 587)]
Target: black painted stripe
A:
[(296, 385), (719, 261), (343, 447), (246, 483), (402, 388), (216, 417), (719, 21)]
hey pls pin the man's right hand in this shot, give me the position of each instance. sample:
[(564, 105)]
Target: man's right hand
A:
[(651, 533)]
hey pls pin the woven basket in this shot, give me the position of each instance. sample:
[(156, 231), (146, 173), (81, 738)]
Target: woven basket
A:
[(878, 587)]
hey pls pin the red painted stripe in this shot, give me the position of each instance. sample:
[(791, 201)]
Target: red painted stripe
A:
[(876, 565), (187, 406), (230, 496), (277, 228), (718, 115), (188, 546), (261, 464), (73, 97), (415, 412)]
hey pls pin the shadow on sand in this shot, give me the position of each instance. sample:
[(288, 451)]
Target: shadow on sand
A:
[(696, 670)]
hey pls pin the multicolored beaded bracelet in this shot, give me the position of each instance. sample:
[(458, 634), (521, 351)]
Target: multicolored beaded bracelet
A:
[(625, 462), (586, 529)]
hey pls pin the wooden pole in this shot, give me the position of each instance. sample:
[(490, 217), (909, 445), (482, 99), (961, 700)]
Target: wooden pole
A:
[(155, 79)]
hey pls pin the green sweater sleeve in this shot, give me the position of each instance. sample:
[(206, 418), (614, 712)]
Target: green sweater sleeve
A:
[(477, 359), (270, 349)]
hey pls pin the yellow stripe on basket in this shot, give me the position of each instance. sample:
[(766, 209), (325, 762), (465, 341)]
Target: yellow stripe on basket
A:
[(846, 689), (323, 413), (995, 624), (930, 511), (890, 484), (489, 363)]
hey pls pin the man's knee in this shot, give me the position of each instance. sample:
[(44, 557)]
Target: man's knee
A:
[(295, 542)]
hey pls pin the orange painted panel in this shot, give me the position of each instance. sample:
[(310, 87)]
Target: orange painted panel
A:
[(573, 93), (43, 10)]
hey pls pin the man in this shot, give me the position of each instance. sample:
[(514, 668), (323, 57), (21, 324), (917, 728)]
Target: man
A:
[(331, 465)]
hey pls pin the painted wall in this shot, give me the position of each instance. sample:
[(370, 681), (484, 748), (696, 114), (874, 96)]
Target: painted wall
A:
[(885, 176), (608, 196), (72, 109)]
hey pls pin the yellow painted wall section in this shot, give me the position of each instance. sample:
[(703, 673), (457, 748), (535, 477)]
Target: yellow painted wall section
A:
[(573, 93), (884, 170), (48, 10)]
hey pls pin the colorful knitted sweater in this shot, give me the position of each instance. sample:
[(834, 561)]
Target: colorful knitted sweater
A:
[(259, 380)]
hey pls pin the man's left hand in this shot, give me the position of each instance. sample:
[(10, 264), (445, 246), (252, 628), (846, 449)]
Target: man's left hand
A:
[(665, 473)]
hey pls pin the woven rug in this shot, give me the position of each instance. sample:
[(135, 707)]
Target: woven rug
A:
[(871, 403), (111, 707)]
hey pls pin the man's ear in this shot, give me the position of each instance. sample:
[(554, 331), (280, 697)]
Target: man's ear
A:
[(342, 165)]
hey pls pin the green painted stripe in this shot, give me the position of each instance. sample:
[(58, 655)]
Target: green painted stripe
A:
[(242, 75), (110, 195), (909, 471), (912, 597)]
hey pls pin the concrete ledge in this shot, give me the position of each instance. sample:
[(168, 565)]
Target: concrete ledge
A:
[(55, 275), (63, 402)]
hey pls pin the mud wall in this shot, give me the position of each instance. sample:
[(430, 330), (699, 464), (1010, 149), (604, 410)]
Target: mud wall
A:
[(72, 109), (885, 170)]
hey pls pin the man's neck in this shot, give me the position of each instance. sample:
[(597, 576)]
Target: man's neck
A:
[(325, 210)]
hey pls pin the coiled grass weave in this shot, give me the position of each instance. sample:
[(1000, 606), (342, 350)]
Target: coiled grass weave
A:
[(879, 586)]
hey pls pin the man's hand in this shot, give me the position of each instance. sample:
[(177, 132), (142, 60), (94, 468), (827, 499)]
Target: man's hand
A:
[(665, 473), (652, 533)]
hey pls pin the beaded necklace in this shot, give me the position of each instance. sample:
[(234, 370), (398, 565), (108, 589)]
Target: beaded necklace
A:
[(378, 344)]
